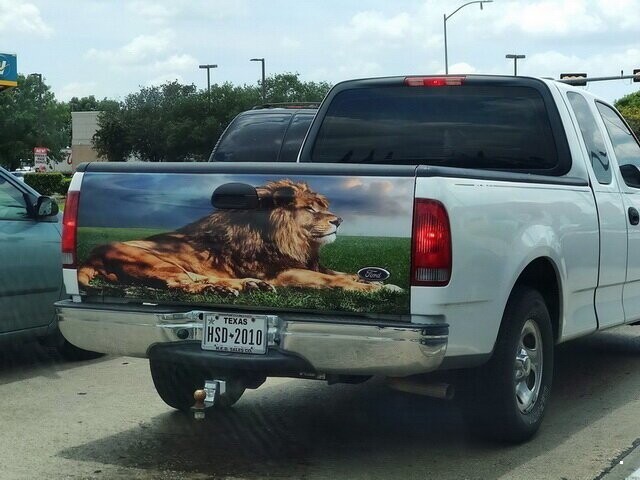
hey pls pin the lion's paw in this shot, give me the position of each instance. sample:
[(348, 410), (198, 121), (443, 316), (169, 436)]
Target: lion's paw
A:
[(255, 285), (222, 290), (392, 288)]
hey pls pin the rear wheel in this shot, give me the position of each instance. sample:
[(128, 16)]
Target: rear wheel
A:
[(507, 397), (176, 383)]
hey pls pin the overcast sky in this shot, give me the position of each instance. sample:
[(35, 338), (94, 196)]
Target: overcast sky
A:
[(111, 47)]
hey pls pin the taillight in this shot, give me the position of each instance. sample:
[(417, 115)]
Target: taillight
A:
[(69, 229), (433, 81), (431, 249)]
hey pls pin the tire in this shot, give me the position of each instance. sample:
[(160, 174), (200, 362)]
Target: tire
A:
[(176, 383), (507, 397)]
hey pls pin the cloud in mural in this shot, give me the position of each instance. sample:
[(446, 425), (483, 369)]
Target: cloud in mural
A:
[(170, 201)]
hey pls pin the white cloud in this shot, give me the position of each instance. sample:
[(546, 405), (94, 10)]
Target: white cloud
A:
[(164, 78), (153, 11), (563, 18), (621, 14), (289, 43), (375, 25), (343, 71), (371, 30), (551, 18), (552, 63), (75, 89), (162, 11), (17, 16), (151, 55), (176, 63), (359, 69), (461, 67), (141, 50)]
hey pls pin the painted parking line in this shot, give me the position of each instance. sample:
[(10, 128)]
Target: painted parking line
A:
[(626, 466)]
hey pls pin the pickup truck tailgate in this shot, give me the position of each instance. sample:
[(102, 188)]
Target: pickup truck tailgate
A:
[(282, 238)]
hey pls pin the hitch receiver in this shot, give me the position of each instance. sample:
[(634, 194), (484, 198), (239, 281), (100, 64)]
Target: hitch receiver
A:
[(207, 397)]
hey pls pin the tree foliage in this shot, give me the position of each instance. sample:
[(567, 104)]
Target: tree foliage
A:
[(288, 87), (46, 183), (175, 122), (30, 116), (91, 104), (171, 122), (629, 107)]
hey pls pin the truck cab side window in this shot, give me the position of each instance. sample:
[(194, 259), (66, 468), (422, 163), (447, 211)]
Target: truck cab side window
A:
[(624, 143), (592, 137)]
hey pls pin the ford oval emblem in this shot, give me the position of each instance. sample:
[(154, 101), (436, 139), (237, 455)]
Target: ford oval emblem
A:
[(373, 274)]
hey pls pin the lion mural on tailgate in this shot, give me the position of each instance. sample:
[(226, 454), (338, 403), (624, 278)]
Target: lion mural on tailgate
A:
[(230, 252)]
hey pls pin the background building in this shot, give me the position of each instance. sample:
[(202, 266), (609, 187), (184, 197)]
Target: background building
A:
[(84, 125)]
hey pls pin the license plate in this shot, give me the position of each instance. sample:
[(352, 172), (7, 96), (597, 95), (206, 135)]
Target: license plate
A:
[(235, 333)]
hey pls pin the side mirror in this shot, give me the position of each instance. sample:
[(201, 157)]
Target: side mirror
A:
[(46, 207), (631, 175)]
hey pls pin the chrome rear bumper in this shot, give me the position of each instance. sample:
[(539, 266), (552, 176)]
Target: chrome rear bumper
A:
[(329, 347)]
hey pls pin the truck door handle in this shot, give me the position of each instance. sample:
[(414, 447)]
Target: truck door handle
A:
[(634, 216)]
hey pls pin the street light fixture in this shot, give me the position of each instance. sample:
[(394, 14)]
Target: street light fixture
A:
[(447, 17), (264, 85), (515, 58), (209, 66)]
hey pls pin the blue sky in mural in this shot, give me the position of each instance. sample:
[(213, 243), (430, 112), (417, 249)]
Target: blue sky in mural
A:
[(369, 205)]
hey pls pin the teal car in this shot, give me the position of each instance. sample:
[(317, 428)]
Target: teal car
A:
[(31, 266)]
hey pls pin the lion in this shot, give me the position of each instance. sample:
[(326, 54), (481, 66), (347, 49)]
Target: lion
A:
[(233, 251)]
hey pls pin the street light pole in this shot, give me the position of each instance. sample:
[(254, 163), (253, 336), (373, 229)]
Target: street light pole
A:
[(208, 67), (515, 58), (39, 76), (264, 85), (447, 17)]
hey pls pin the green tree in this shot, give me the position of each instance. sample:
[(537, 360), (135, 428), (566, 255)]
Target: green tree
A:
[(113, 140), (30, 116), (175, 122), (287, 87), (629, 107), (91, 104)]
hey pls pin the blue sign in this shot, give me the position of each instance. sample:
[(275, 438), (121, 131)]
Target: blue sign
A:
[(8, 70)]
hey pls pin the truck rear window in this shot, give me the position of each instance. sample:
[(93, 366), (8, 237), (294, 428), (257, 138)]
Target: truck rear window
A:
[(487, 127)]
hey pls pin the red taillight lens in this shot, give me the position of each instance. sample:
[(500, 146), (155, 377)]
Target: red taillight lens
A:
[(433, 81), (69, 229), (431, 249)]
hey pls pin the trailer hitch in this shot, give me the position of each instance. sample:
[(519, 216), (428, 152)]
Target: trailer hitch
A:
[(207, 397)]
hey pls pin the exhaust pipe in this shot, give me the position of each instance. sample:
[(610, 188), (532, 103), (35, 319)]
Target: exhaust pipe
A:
[(444, 391)]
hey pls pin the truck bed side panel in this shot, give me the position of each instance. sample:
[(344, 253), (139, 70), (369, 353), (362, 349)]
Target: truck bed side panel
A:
[(498, 228)]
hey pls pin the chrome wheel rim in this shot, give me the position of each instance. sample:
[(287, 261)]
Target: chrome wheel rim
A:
[(528, 367)]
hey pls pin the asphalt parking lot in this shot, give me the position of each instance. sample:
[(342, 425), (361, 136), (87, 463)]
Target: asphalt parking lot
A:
[(102, 419)]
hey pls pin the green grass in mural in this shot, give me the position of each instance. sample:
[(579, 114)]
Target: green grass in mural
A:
[(91, 237), (346, 254)]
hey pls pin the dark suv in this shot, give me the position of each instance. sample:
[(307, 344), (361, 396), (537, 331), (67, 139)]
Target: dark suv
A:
[(264, 134)]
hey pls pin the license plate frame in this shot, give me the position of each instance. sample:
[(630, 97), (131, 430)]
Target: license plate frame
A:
[(255, 326)]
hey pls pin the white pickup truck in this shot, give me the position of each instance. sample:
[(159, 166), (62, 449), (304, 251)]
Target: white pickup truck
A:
[(456, 223)]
